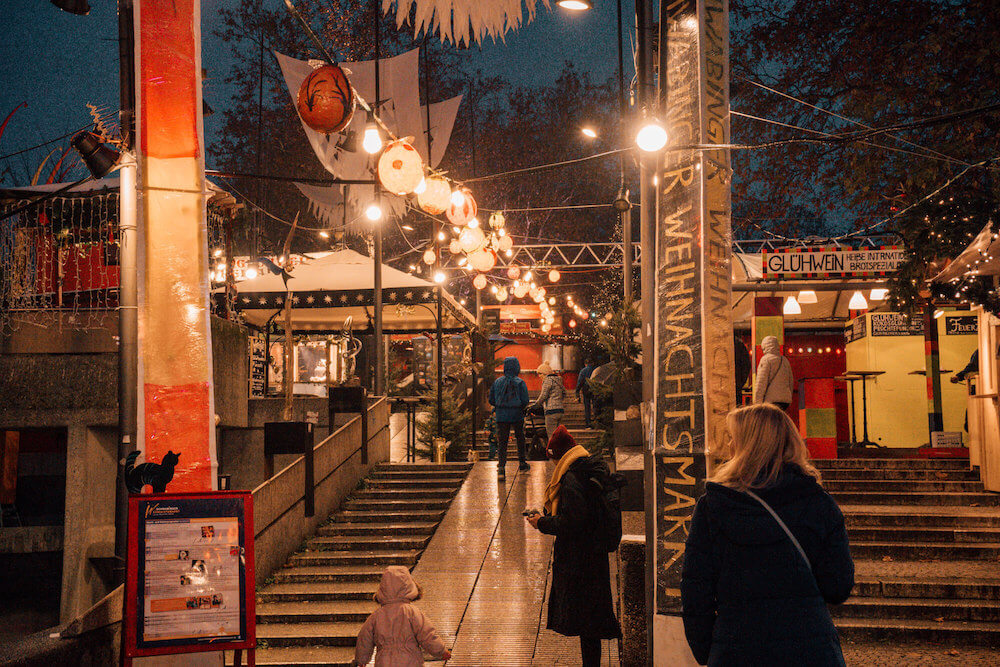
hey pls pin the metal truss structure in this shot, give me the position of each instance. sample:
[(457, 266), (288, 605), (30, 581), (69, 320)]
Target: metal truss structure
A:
[(609, 255)]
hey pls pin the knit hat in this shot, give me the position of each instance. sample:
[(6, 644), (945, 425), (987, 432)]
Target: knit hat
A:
[(544, 368), (560, 443)]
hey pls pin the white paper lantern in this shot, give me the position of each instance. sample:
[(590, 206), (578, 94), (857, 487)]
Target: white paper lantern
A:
[(497, 220), (429, 257), (513, 272), (471, 239), (553, 276), (482, 260), (505, 243), (436, 196), (536, 294), (461, 207), (502, 294), (520, 289), (400, 168), (454, 247), (479, 282)]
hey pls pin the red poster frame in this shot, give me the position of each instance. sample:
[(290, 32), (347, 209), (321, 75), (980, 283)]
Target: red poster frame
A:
[(248, 605)]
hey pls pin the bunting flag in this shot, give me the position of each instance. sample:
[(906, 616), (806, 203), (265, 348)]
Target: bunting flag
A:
[(176, 411), (463, 22)]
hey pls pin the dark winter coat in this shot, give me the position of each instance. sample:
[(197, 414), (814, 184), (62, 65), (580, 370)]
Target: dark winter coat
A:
[(749, 598), (580, 601), (509, 393)]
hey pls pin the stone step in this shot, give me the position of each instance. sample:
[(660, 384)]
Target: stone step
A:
[(894, 630), (453, 476), (892, 464), (896, 485), (319, 591), (916, 498), (926, 550), (301, 656), (389, 505), (386, 529), (897, 475), (393, 484), (308, 634), (336, 611), (949, 589), (422, 467), (367, 542), (381, 557), (958, 517), (431, 493), (982, 611), (385, 516), (307, 574), (922, 534)]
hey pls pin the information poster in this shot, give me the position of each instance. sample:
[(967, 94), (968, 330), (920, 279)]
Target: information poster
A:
[(896, 324), (190, 584), (258, 365)]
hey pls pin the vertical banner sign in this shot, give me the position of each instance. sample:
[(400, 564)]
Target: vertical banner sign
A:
[(694, 334), (175, 363)]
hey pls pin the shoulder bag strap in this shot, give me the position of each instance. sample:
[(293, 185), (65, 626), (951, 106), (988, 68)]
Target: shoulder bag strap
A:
[(781, 523)]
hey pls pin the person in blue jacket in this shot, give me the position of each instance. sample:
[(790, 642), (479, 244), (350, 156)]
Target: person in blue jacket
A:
[(750, 596), (509, 398)]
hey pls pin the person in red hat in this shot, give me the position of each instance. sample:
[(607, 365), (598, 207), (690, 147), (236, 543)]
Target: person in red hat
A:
[(580, 602)]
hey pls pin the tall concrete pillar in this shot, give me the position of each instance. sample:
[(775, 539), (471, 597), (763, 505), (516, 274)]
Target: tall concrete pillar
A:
[(693, 373)]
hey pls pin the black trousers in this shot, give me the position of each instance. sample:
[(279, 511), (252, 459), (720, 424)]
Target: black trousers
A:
[(590, 651), (503, 435)]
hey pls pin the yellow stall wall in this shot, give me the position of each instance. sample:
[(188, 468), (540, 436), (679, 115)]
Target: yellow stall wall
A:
[(897, 401)]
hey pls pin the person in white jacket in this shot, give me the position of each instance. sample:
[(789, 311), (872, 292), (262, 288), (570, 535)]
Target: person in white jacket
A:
[(398, 628), (773, 383)]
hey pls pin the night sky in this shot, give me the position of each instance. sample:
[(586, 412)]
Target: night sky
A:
[(57, 62)]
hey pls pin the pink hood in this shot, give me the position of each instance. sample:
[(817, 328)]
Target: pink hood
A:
[(397, 586)]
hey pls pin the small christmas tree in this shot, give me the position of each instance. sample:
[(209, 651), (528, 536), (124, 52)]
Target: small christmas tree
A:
[(456, 425)]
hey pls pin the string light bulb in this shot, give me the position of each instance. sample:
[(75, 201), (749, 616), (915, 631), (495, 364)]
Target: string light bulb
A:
[(251, 273), (652, 137), (373, 212), (372, 141), (439, 277)]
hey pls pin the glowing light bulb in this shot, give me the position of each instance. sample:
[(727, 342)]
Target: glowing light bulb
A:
[(325, 234), (588, 132), (652, 137), (439, 277), (373, 212), (217, 252), (474, 223), (251, 273), (372, 141), (575, 5)]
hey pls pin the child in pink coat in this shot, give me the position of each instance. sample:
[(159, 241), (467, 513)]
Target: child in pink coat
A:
[(398, 628)]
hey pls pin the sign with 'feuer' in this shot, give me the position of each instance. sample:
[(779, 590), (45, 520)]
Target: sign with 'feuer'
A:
[(830, 262)]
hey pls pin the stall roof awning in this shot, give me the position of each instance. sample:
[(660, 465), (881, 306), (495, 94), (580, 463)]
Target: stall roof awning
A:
[(330, 287), (980, 258)]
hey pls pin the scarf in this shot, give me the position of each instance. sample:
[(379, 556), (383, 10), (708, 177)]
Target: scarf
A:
[(552, 490)]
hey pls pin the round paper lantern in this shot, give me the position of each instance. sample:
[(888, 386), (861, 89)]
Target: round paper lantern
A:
[(553, 276), (429, 257), (325, 101), (513, 272), (436, 197), (482, 260), (461, 207), (471, 239), (502, 294), (520, 289), (497, 220), (479, 282), (506, 243), (454, 247), (400, 168)]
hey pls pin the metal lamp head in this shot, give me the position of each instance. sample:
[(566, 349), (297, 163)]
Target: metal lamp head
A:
[(78, 7), (621, 202), (98, 157)]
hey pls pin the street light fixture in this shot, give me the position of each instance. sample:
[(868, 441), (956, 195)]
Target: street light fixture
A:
[(651, 137), (373, 212), (576, 5), (78, 7), (588, 132)]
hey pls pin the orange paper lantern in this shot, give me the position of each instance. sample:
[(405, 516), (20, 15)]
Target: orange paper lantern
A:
[(436, 196), (325, 101), (400, 168), (462, 209)]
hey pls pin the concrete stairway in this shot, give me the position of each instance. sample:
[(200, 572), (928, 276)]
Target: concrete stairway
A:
[(572, 420), (312, 610), (926, 542)]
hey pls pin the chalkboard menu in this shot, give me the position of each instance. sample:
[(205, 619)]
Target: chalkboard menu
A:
[(189, 584), (258, 365), (962, 325), (896, 324), (856, 330)]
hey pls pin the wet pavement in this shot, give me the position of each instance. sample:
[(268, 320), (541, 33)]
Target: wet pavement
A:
[(485, 572)]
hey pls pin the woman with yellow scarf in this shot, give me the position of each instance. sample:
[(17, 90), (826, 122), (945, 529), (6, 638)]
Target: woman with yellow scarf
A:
[(580, 602)]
